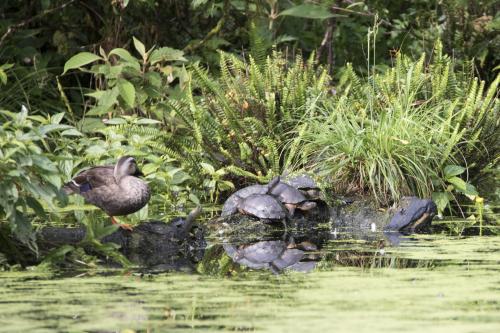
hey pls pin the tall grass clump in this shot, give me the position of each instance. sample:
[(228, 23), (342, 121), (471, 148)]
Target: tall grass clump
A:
[(417, 128)]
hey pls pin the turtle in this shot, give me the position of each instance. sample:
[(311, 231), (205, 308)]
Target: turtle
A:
[(305, 184), (262, 206), (290, 196), (413, 214), (230, 207)]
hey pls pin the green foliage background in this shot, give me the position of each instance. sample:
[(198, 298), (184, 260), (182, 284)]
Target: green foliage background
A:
[(384, 97)]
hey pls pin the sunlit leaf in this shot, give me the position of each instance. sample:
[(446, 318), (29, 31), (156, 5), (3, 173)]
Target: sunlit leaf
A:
[(309, 11), (166, 54), (127, 92), (441, 199), (453, 170), (139, 46), (79, 60), (458, 183)]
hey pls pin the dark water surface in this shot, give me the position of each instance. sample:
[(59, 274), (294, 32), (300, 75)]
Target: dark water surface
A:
[(428, 284)]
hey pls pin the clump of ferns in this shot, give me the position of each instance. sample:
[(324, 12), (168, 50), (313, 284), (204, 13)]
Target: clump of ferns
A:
[(242, 119)]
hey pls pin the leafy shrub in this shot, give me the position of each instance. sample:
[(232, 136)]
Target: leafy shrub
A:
[(30, 179), (127, 85)]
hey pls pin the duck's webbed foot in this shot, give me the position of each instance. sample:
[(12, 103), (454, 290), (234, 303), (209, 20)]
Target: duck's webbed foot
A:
[(122, 225)]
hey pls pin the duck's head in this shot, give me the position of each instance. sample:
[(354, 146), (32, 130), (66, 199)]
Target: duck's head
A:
[(126, 166)]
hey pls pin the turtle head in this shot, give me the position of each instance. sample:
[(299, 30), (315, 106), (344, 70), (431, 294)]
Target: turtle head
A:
[(307, 205), (126, 166), (275, 181), (312, 193)]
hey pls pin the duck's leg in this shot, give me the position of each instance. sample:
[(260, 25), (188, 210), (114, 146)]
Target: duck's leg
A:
[(121, 225)]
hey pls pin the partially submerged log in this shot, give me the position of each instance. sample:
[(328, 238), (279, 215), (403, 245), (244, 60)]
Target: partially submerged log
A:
[(152, 243)]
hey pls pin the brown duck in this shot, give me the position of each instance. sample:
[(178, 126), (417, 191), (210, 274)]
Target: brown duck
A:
[(116, 189)]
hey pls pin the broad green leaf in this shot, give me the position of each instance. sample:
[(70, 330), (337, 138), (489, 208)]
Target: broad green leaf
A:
[(284, 39), (125, 55), (52, 127), (207, 167), (226, 185), (56, 119), (90, 124), (6, 66), (3, 77), (308, 11), (44, 163), (147, 121), (79, 60), (453, 170), (197, 3), (458, 183), (139, 46), (127, 92), (54, 179), (109, 98), (166, 54), (115, 121), (57, 254), (441, 199), (71, 132), (194, 198), (95, 150), (98, 111), (470, 191), (96, 94), (178, 176), (36, 206), (149, 168), (154, 79), (21, 116)]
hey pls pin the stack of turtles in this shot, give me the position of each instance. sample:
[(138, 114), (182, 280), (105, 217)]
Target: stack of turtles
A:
[(274, 201)]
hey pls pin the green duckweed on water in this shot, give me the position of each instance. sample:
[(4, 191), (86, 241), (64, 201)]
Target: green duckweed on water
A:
[(432, 284)]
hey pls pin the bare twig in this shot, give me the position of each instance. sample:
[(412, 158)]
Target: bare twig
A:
[(21, 24), (326, 43)]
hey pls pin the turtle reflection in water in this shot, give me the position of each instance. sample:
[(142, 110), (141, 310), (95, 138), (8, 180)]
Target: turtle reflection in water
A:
[(274, 255)]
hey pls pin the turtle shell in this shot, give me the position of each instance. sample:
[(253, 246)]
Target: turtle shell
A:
[(263, 251), (306, 185), (287, 194), (302, 182), (257, 255), (288, 258), (231, 205), (263, 206)]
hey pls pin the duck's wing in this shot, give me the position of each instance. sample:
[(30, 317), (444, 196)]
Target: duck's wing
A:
[(90, 179)]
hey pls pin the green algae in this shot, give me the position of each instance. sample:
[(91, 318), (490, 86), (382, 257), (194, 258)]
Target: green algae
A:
[(439, 284)]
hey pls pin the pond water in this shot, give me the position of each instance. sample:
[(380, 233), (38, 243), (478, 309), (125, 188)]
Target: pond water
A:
[(428, 283)]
